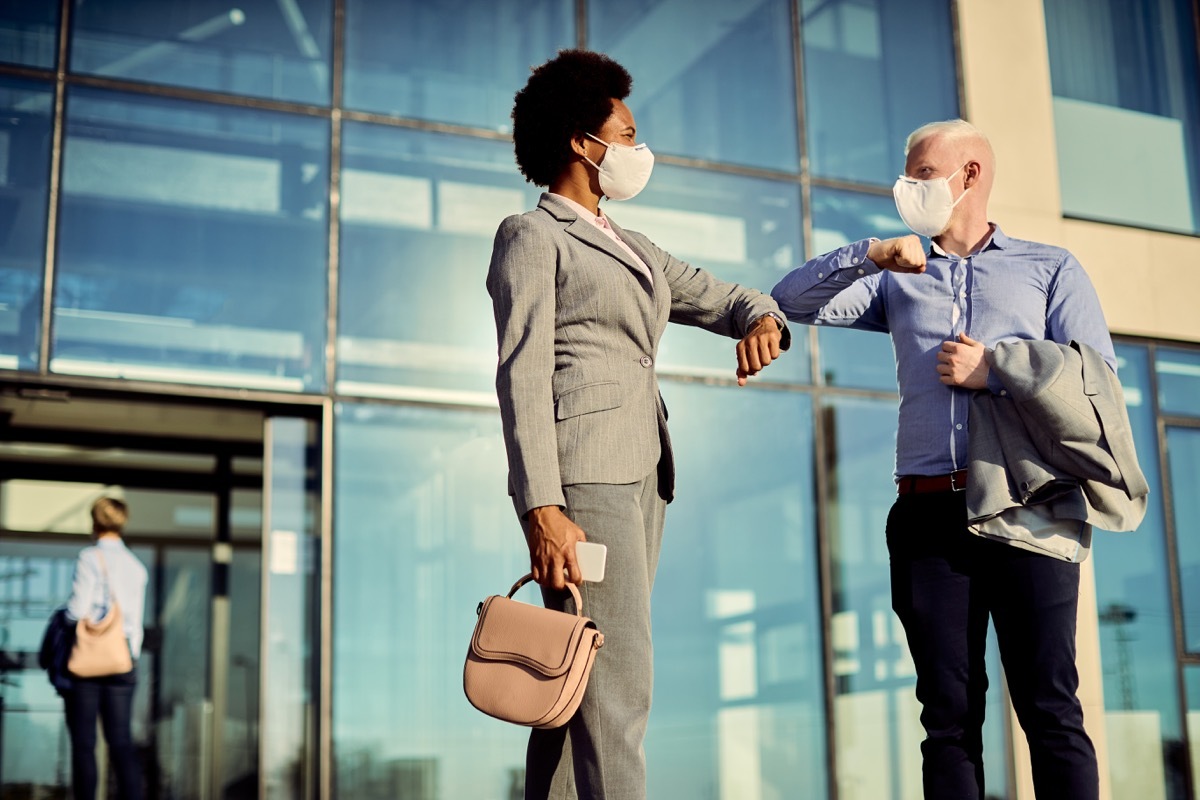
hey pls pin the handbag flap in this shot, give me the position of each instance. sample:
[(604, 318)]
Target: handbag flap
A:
[(542, 639)]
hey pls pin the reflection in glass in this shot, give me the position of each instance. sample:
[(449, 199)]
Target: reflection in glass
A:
[(873, 72), (1183, 459), (290, 596), (1129, 69), (738, 696), (278, 49), (1178, 373), (191, 243), (29, 33), (423, 532), (878, 716), (862, 359), (1137, 647), (25, 109), (712, 79), (743, 230), (451, 62), (419, 213)]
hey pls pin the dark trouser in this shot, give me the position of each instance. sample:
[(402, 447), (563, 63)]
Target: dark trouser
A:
[(945, 583), (111, 700)]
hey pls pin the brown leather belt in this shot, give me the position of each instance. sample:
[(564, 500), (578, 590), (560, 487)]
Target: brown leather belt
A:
[(925, 484)]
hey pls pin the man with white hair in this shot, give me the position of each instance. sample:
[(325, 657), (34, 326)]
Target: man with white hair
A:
[(945, 308)]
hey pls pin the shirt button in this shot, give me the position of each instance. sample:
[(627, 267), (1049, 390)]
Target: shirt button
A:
[(820, 274), (855, 260), (645, 361), (861, 272), (1004, 392), (958, 427)]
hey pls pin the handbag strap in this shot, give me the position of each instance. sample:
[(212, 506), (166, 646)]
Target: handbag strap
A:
[(571, 586)]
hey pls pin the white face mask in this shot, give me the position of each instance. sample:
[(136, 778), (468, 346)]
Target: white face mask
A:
[(925, 206), (624, 170)]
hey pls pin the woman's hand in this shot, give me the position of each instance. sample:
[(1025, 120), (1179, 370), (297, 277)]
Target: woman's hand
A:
[(758, 348), (551, 539)]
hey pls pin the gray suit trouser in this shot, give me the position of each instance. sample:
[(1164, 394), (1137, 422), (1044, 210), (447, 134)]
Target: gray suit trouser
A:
[(598, 755)]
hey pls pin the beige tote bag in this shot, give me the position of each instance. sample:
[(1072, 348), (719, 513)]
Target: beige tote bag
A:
[(100, 648), (530, 665)]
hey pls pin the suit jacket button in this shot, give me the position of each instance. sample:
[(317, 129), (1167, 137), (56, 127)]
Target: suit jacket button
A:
[(645, 361)]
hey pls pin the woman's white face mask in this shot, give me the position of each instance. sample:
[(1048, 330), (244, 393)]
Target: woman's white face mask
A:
[(926, 206), (624, 170)]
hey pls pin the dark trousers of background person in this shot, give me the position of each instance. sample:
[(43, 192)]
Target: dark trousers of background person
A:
[(109, 699), (945, 583)]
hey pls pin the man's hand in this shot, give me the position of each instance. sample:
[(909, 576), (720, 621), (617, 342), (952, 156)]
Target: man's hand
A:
[(758, 348), (962, 363), (552, 537), (902, 254)]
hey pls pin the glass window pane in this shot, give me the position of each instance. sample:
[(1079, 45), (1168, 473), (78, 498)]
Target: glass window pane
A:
[(1129, 69), (278, 49), (862, 359), (25, 112), (1137, 646), (192, 243), (743, 230), (419, 214), (423, 532), (29, 33), (878, 716), (452, 62), (1183, 459), (874, 71), (712, 79), (738, 695), (1178, 381)]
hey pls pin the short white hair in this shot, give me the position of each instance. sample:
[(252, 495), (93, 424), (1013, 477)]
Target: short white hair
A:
[(951, 128)]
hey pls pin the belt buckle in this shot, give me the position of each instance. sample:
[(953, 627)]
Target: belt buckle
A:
[(955, 488)]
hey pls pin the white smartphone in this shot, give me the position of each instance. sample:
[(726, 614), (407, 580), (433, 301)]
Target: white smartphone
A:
[(591, 558)]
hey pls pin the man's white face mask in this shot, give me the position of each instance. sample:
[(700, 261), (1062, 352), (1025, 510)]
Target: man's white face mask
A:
[(926, 206), (624, 170)]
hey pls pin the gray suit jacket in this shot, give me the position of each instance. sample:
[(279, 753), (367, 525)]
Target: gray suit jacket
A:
[(1055, 454), (578, 326)]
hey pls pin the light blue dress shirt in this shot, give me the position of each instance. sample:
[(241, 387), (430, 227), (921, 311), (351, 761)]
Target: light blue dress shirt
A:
[(1008, 290), (90, 592)]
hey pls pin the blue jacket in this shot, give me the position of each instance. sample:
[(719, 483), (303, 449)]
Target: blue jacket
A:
[(57, 642)]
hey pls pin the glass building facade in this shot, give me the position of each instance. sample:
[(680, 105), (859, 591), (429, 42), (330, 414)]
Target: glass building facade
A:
[(242, 260)]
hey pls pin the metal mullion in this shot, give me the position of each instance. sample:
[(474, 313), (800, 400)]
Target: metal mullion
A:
[(581, 24), (325, 600), (131, 388), (851, 186), (956, 36), (197, 95), (324, 664), (58, 122), (1173, 578), (806, 223), (413, 123), (25, 71)]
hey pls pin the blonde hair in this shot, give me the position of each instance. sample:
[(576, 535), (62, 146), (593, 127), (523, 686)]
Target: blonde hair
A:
[(109, 515), (952, 129)]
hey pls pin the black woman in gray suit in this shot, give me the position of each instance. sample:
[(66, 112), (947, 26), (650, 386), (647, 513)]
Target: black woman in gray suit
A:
[(580, 307)]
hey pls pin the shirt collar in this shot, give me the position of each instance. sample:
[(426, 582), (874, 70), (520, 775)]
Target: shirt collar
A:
[(582, 210), (996, 241)]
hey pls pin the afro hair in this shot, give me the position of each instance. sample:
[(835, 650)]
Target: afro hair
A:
[(570, 94)]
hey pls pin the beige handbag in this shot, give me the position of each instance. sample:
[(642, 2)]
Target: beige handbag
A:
[(100, 648), (530, 665)]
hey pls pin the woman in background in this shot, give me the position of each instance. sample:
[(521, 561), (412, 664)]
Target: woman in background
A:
[(105, 572)]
